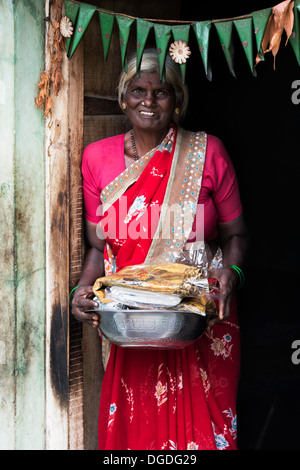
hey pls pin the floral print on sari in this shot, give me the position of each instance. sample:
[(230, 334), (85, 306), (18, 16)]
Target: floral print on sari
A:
[(137, 209), (164, 400)]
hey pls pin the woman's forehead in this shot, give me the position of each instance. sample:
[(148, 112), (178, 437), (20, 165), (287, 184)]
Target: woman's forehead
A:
[(151, 79)]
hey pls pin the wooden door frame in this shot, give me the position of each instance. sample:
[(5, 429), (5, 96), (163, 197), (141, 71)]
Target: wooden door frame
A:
[(73, 365), (63, 152)]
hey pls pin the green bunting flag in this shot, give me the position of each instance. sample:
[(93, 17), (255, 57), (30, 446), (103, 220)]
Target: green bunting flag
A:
[(106, 26), (142, 31), (71, 10), (162, 36), (181, 33), (248, 27), (260, 20), (224, 30), (244, 29), (295, 36), (266, 26), (125, 24), (84, 17), (202, 31)]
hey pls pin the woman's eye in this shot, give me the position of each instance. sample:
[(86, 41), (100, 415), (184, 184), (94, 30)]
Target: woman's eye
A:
[(140, 92), (162, 93), (137, 91)]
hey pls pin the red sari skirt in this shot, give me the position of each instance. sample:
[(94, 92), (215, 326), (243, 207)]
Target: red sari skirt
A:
[(182, 399)]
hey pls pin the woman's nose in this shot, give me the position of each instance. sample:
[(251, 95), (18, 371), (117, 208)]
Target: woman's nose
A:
[(149, 98)]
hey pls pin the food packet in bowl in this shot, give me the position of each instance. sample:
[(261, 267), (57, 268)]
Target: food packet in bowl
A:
[(168, 278), (142, 298), (185, 279)]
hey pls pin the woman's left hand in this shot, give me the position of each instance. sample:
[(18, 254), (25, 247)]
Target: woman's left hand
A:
[(227, 279)]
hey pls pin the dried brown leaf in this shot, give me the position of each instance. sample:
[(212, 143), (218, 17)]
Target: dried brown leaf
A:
[(289, 21), (282, 18), (48, 105), (52, 80), (44, 90)]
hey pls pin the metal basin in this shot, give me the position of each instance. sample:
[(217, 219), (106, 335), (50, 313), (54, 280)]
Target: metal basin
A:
[(164, 329)]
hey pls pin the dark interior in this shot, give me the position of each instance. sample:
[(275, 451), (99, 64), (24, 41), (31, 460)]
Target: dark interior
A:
[(259, 124)]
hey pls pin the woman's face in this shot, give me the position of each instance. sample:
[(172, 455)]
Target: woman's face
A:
[(150, 103)]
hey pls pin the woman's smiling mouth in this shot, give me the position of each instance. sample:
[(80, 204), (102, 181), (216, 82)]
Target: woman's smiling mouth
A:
[(147, 113)]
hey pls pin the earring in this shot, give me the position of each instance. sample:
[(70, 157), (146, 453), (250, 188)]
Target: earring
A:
[(177, 111), (124, 106)]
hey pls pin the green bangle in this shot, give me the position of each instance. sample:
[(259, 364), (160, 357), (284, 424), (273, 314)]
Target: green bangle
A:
[(240, 273), (71, 294)]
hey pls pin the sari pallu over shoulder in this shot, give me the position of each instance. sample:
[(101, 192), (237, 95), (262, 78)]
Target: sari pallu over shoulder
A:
[(149, 209)]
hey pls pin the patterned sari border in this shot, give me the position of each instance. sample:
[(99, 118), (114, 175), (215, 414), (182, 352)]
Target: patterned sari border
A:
[(121, 183), (165, 204), (182, 195)]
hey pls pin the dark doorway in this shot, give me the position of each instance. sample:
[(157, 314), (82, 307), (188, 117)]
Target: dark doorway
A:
[(258, 121)]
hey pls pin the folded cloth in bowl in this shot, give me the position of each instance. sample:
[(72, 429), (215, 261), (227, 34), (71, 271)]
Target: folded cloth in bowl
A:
[(174, 279), (169, 278), (138, 298)]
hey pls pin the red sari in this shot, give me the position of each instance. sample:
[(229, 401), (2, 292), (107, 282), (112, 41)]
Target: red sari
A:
[(154, 399)]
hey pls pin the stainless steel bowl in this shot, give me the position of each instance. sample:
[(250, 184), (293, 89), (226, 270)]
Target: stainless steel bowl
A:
[(164, 329)]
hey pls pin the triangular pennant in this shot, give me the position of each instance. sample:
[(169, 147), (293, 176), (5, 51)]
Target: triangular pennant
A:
[(295, 36), (260, 21), (71, 10), (224, 30), (124, 30), (202, 31), (244, 29), (106, 26), (84, 17), (181, 33), (142, 31), (162, 37)]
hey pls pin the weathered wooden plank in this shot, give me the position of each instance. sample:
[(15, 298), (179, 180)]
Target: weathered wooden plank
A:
[(57, 268), (22, 229), (7, 232), (29, 226), (76, 87), (92, 381)]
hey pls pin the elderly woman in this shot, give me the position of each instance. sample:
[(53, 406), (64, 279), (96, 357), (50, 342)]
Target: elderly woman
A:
[(163, 399)]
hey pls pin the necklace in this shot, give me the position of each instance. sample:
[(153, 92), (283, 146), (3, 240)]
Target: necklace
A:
[(135, 155)]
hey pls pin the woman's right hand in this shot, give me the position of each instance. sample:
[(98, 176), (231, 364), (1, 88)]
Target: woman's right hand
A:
[(81, 302)]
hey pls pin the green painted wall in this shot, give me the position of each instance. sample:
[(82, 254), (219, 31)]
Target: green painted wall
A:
[(22, 230)]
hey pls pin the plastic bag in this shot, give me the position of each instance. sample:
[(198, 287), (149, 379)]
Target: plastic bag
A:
[(168, 278), (185, 282), (142, 298), (112, 305)]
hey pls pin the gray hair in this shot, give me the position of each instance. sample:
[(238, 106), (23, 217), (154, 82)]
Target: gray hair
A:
[(149, 64)]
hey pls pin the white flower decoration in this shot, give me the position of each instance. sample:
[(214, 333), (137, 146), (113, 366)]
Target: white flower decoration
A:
[(179, 51), (66, 28)]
